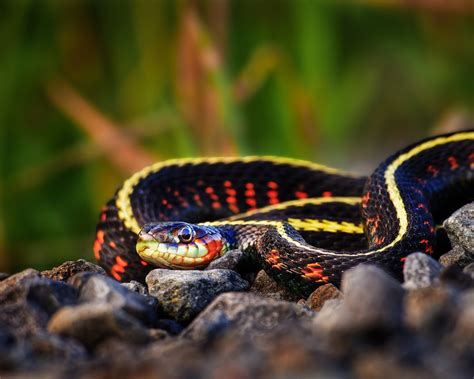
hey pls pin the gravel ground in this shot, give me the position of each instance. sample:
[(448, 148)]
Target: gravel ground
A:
[(73, 321)]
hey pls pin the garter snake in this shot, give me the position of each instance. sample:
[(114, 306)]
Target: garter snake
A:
[(304, 223)]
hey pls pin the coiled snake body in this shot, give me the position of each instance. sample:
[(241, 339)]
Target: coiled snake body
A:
[(305, 224)]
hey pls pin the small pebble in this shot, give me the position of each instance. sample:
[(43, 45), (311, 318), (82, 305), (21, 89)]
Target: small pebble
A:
[(71, 268), (266, 286), (92, 323), (420, 270), (321, 294), (183, 294)]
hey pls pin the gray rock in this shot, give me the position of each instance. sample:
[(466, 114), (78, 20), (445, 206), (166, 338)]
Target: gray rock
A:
[(13, 352), (230, 261), (26, 307), (321, 294), (71, 268), (246, 315), (135, 286), (183, 294), (12, 280), (460, 229), (462, 336), (457, 256), (266, 286), (372, 296), (420, 270), (372, 301), (469, 270), (455, 277), (430, 310), (100, 288), (46, 347), (92, 323)]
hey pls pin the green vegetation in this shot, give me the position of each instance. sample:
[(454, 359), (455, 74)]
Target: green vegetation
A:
[(85, 82)]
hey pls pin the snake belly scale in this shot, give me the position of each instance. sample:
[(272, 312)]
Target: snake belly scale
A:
[(304, 223)]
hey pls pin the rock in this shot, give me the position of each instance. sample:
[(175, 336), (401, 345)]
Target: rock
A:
[(12, 280), (429, 310), (92, 323), (420, 270), (246, 315), (460, 229), (71, 268), (266, 286), (183, 294), (135, 286), (47, 347), (13, 352), (456, 256), (100, 288), (469, 270), (463, 332), (372, 296), (372, 302), (321, 294), (229, 261), (27, 306), (454, 276)]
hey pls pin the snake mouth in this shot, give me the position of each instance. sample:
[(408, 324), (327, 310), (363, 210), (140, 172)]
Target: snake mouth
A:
[(197, 253)]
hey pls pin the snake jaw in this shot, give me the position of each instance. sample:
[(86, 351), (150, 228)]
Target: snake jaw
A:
[(161, 244)]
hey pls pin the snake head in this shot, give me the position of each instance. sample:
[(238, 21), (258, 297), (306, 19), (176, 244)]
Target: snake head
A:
[(181, 245)]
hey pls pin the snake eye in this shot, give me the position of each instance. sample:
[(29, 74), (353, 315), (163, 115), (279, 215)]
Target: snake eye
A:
[(186, 234)]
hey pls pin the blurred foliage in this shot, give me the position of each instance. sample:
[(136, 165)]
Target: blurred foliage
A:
[(91, 90)]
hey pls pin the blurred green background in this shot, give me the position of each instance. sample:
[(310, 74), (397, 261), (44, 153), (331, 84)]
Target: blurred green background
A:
[(91, 91)]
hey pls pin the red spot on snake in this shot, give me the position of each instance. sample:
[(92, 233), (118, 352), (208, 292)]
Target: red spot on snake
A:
[(231, 200), (249, 185), (227, 183), (251, 202), (327, 194), (403, 259), (112, 244), (301, 194), (98, 244), (250, 193), (234, 208), (231, 191), (453, 163), (120, 261), (273, 197), (164, 201), (273, 258), (118, 267), (365, 199), (471, 160), (422, 206), (379, 240), (209, 190), (216, 205), (430, 227), (116, 275), (103, 216), (272, 185), (428, 248), (197, 199), (433, 170), (314, 271), (176, 193), (200, 182), (143, 263)]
